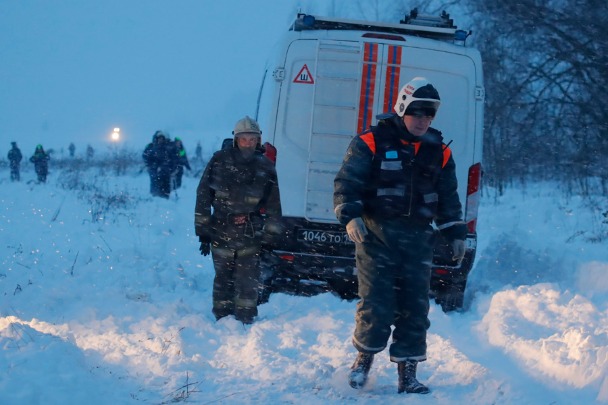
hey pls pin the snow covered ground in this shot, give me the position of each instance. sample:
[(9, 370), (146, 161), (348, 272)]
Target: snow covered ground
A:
[(104, 299)]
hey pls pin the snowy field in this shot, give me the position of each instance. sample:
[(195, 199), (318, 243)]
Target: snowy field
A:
[(105, 299)]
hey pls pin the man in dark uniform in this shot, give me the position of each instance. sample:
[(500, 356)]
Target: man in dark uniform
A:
[(14, 158), (239, 182), (40, 159), (181, 159), (161, 160), (396, 179)]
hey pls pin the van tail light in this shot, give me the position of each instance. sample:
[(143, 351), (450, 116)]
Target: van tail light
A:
[(288, 257), (441, 271), (473, 197)]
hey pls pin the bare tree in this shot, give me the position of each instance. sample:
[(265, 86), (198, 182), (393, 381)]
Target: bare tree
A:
[(546, 68)]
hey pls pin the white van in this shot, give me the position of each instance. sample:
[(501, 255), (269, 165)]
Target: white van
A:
[(329, 81)]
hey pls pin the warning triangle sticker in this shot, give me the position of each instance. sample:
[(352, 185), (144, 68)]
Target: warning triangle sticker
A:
[(304, 76)]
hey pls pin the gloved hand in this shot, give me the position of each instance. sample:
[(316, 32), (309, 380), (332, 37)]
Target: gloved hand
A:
[(205, 246), (458, 248), (356, 230), (201, 225)]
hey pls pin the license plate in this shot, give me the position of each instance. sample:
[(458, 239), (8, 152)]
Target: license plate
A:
[(328, 237)]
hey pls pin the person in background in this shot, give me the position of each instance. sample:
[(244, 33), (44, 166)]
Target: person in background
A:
[(40, 159), (181, 162), (14, 157), (160, 160), (72, 149), (198, 152), (90, 152), (239, 182), (150, 162), (396, 178)]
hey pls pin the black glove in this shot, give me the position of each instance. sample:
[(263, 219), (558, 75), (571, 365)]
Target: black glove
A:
[(205, 246)]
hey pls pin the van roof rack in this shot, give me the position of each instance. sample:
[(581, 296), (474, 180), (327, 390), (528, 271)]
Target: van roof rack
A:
[(422, 25)]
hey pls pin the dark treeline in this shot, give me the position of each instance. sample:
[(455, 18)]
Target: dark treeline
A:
[(546, 71)]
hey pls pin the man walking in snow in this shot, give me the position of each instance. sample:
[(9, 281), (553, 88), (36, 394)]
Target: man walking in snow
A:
[(396, 179), (240, 184), (40, 159), (160, 159), (181, 161), (14, 157)]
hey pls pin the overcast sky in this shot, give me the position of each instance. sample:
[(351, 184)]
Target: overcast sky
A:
[(72, 70)]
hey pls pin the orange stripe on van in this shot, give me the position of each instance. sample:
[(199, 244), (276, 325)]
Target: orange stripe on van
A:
[(391, 82), (368, 86)]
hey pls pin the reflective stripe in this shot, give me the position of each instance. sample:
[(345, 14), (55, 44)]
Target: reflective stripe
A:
[(367, 348), (252, 200), (391, 165), (201, 219), (221, 194), (246, 302), (251, 251), (431, 198), (448, 224), (223, 252), (415, 358), (391, 191)]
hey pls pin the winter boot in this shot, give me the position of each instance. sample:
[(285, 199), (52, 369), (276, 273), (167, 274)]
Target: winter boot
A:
[(359, 370), (407, 378)]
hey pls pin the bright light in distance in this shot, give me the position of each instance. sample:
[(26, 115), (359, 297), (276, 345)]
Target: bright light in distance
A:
[(115, 135)]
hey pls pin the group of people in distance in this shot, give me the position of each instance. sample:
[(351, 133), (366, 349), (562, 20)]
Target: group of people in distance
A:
[(40, 159), (165, 160)]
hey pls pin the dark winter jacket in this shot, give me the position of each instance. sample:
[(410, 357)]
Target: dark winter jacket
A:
[(148, 158), (40, 159), (14, 157), (160, 157), (389, 173), (236, 186), (181, 156)]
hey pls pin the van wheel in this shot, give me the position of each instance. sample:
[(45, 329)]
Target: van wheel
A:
[(451, 297)]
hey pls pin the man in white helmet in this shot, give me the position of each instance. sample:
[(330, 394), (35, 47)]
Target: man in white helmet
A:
[(240, 184), (397, 178)]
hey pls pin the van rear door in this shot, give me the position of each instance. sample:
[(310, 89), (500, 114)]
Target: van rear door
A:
[(333, 90), (317, 118)]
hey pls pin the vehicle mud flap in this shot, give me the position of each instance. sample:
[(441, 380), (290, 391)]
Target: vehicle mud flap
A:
[(450, 296), (267, 276), (347, 289)]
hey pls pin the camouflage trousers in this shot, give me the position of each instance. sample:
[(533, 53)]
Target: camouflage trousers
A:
[(236, 282)]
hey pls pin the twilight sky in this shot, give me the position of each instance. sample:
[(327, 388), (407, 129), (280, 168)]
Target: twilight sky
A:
[(72, 70)]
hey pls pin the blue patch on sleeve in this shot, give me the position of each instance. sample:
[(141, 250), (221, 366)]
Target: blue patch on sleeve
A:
[(391, 154)]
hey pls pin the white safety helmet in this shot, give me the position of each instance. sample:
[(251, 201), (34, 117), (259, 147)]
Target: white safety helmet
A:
[(418, 94), (247, 125)]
